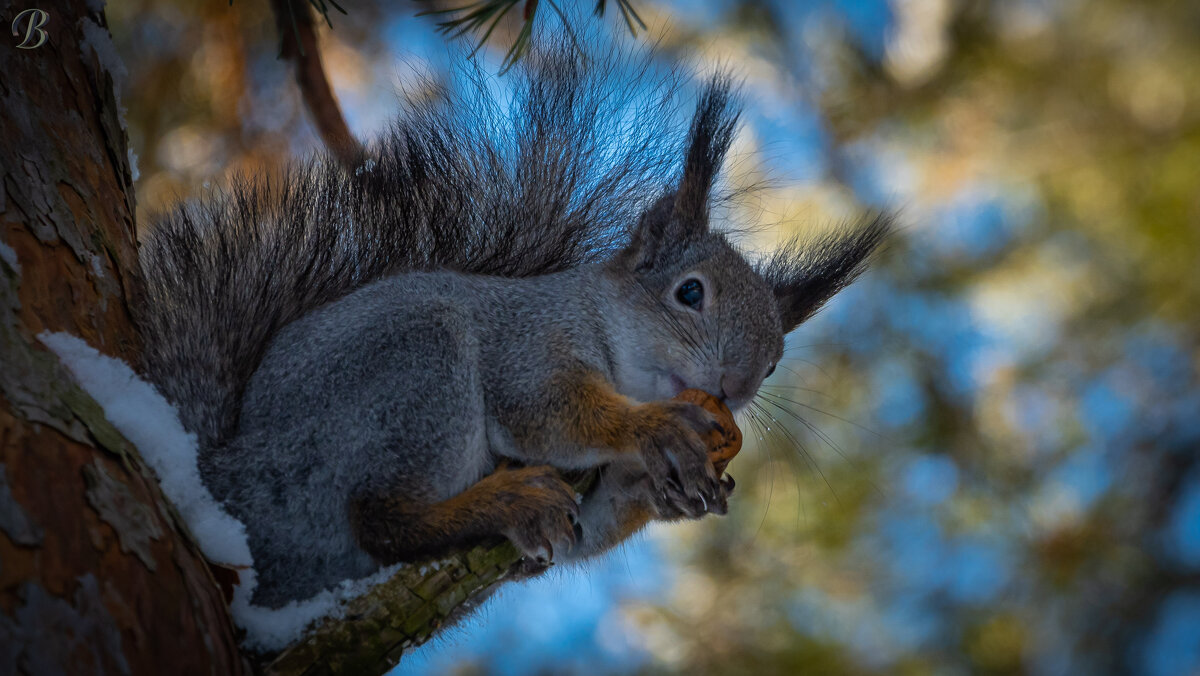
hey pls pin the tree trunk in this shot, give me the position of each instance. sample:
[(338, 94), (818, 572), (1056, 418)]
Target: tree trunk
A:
[(97, 573)]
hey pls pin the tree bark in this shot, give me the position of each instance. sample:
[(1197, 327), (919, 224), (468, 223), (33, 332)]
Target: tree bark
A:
[(97, 572), (378, 627)]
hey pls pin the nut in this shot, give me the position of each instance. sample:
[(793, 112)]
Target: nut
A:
[(723, 443)]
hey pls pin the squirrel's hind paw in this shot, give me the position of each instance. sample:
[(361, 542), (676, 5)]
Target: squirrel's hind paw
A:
[(539, 511)]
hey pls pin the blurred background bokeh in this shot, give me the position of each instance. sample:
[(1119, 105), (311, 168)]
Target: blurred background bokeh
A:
[(984, 455)]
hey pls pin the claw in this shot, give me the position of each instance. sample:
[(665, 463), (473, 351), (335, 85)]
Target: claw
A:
[(721, 507)]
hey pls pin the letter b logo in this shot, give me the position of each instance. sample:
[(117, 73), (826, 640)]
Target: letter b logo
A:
[(33, 20)]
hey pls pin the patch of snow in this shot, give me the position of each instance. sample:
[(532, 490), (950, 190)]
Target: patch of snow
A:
[(270, 629), (99, 40), (10, 258), (140, 413), (133, 162)]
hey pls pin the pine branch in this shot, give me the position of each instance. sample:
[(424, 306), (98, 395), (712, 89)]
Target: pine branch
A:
[(485, 15)]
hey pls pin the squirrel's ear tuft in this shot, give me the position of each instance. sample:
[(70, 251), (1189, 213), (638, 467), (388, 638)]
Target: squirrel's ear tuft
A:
[(806, 272), (681, 214), (708, 141)]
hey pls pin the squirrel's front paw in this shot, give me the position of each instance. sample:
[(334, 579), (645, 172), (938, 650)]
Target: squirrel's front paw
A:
[(538, 510), (676, 457), (672, 506)]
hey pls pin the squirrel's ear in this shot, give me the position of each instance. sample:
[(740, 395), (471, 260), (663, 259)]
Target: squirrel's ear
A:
[(650, 235), (708, 142), (805, 273)]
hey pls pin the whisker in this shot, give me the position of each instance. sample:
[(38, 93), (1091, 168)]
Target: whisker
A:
[(681, 332), (808, 362), (820, 434), (831, 415), (808, 424), (771, 486), (803, 449), (810, 390), (791, 370), (686, 333), (800, 505), (832, 343)]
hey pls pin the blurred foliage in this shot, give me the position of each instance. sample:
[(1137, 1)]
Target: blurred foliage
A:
[(1028, 355), (484, 16), (982, 457)]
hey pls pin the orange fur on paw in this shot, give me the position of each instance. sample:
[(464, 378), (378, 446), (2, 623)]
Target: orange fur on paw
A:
[(722, 444)]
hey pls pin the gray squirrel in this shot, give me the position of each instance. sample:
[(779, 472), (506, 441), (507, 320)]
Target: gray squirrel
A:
[(386, 364)]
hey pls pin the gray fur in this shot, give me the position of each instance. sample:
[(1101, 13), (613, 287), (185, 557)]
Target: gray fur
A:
[(332, 337)]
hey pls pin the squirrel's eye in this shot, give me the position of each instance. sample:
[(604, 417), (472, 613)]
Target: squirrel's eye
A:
[(769, 372), (690, 293)]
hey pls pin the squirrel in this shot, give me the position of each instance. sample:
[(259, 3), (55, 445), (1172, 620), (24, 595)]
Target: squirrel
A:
[(386, 364)]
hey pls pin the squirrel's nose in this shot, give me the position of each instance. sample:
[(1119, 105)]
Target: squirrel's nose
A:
[(732, 386)]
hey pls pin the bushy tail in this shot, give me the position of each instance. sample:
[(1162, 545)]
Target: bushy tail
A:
[(532, 173)]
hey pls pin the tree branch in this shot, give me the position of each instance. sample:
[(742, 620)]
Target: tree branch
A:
[(298, 44), (377, 628)]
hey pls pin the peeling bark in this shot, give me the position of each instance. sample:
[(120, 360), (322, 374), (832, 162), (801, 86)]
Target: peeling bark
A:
[(97, 575)]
